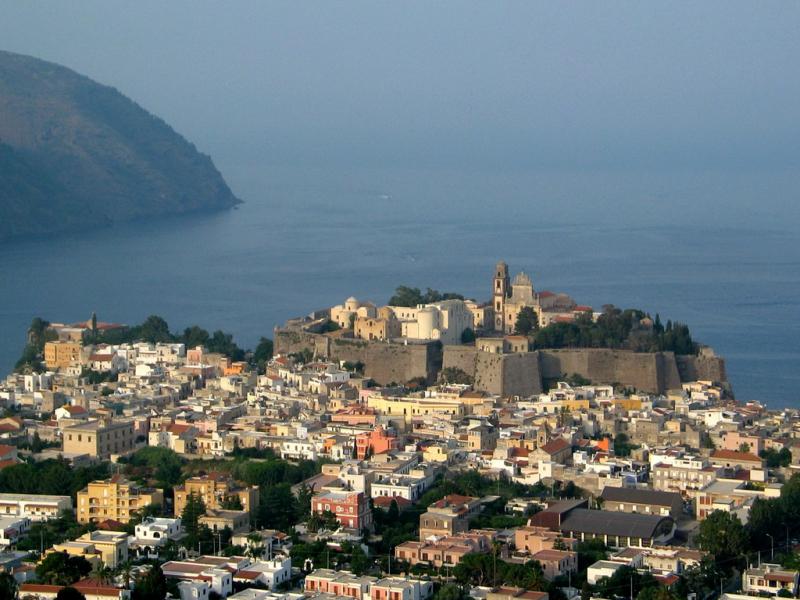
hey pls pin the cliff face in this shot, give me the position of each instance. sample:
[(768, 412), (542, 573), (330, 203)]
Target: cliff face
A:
[(74, 153)]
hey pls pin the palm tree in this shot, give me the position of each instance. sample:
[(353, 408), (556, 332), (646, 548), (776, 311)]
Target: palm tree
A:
[(125, 570), (103, 573)]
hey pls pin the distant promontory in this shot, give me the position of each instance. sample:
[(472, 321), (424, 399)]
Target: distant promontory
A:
[(75, 154)]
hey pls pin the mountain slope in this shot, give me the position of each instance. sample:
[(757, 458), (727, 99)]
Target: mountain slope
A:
[(74, 153)]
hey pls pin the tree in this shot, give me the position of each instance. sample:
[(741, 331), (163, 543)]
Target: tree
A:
[(625, 578), (657, 593), (262, 353), (359, 562), (194, 336), (153, 330), (586, 591), (278, 507), (151, 585), (454, 375), (194, 509), (723, 536), (451, 591), (621, 445), (69, 593), (58, 568), (527, 321), (467, 336), (8, 586), (394, 512)]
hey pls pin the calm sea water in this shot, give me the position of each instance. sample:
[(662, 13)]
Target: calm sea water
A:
[(716, 250)]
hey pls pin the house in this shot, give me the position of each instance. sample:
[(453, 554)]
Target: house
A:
[(448, 516), (270, 573), (216, 571), (109, 548), (445, 551), (350, 508), (556, 562), (155, 531), (401, 588), (770, 579), (220, 519), (735, 459), (633, 500), (12, 529), (216, 489), (99, 439), (90, 588), (377, 441), (557, 450), (339, 583), (513, 593)]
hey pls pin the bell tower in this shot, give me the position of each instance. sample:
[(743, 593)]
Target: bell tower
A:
[(500, 290)]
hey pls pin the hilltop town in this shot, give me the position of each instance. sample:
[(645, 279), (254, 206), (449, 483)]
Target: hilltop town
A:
[(526, 447)]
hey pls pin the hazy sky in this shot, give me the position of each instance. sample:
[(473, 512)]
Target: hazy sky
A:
[(493, 83)]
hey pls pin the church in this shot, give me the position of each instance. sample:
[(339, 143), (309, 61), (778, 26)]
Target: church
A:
[(509, 298)]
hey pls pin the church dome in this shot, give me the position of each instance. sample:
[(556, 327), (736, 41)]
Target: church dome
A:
[(522, 279), (351, 303)]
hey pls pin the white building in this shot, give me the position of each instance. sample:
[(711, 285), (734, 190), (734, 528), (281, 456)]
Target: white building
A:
[(770, 579), (36, 507), (12, 529), (155, 531), (270, 573), (444, 321), (391, 486), (401, 588), (193, 590)]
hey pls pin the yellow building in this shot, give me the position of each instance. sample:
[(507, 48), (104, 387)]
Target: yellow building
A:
[(383, 327), (98, 439), (108, 548), (214, 489), (60, 355), (218, 520), (408, 408), (115, 499)]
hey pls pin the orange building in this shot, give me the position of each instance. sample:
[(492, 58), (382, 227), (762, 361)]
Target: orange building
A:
[(376, 441)]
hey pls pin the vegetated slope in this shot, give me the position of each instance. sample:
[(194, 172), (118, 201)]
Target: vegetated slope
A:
[(74, 153)]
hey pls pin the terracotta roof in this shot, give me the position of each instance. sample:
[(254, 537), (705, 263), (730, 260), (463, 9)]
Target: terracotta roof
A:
[(735, 455), (558, 444)]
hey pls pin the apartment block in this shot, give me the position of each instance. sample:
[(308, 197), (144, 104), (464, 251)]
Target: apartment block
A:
[(115, 499)]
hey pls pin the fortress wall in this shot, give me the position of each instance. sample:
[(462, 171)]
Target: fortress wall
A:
[(510, 374), (461, 357), (385, 363), (645, 372), (521, 375), (503, 374), (705, 367)]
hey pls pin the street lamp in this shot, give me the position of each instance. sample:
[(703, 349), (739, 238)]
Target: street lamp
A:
[(772, 547)]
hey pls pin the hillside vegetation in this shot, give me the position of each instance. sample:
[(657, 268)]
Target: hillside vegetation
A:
[(74, 153)]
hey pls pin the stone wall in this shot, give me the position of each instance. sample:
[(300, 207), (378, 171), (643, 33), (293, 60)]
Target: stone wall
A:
[(510, 374), (384, 362), (503, 374), (648, 372)]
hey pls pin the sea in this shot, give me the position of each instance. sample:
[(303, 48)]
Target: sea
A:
[(717, 250)]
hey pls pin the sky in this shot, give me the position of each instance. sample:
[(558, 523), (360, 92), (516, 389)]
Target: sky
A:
[(526, 84)]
